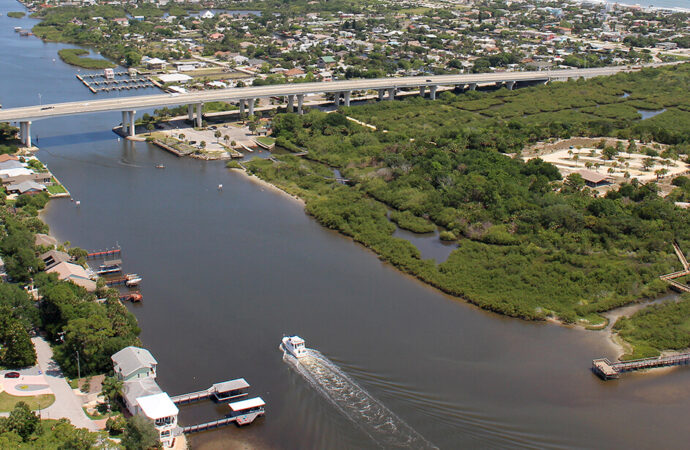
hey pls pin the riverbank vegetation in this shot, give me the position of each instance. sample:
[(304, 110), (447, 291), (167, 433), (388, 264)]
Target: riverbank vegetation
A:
[(657, 328), (530, 244), (75, 57), (9, 138)]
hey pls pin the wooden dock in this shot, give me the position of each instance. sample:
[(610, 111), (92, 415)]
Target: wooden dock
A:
[(670, 278), (209, 425), (607, 370), (227, 390)]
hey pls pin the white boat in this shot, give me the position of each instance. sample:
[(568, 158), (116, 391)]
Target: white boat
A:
[(294, 345), (132, 279)]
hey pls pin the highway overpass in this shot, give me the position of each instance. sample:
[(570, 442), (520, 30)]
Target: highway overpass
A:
[(247, 96)]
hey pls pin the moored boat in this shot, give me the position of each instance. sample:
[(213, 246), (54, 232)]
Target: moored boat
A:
[(294, 345), (109, 267), (132, 279)]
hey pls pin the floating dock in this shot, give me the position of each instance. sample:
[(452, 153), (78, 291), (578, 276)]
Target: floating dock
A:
[(607, 370)]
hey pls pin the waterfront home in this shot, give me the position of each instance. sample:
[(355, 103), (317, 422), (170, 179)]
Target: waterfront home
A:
[(141, 394), (26, 187), (19, 174), (5, 157), (163, 412), (75, 273), (133, 362), (52, 258)]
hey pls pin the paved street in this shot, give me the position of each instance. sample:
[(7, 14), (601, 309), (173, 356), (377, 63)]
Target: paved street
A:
[(67, 404)]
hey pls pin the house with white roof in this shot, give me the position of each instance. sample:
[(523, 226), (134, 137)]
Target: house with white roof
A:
[(141, 394)]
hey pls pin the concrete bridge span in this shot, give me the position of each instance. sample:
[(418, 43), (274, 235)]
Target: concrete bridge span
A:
[(294, 93)]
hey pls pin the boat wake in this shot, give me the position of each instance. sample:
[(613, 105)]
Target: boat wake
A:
[(370, 415)]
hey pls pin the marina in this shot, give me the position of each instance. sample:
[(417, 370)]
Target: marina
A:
[(118, 81)]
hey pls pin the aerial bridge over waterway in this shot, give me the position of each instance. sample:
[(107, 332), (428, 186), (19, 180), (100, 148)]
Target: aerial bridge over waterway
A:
[(246, 97)]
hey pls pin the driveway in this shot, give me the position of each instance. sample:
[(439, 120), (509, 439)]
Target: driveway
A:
[(67, 404)]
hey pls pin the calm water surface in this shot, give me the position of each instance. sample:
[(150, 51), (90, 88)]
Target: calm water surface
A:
[(227, 273)]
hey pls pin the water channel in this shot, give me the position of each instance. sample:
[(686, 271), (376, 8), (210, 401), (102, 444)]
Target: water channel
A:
[(227, 273)]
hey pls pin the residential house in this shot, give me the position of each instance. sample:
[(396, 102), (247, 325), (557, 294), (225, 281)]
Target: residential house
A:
[(25, 187), (141, 394), (74, 273)]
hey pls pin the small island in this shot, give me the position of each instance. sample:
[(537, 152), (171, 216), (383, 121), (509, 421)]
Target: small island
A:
[(16, 14), (75, 57)]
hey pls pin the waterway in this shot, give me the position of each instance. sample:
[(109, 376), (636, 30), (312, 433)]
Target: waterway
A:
[(227, 273)]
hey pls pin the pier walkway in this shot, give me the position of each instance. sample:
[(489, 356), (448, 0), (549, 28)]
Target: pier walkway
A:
[(607, 370), (226, 390), (670, 278), (104, 253), (208, 425)]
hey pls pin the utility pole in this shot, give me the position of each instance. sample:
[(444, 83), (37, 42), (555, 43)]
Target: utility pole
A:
[(78, 366)]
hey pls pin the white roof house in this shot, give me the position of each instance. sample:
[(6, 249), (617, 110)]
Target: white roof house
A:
[(157, 406), (174, 78)]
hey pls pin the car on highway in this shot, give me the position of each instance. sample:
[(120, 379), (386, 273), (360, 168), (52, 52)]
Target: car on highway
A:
[(47, 107), (12, 375)]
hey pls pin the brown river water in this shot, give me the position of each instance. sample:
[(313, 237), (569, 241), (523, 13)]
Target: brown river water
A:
[(228, 273)]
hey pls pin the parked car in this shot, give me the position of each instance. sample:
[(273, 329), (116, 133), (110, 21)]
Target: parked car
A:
[(12, 375)]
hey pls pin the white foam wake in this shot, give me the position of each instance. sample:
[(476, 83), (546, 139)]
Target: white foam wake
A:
[(370, 415)]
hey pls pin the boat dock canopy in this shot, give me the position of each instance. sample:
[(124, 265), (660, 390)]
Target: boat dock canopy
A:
[(229, 386), (112, 262), (256, 402)]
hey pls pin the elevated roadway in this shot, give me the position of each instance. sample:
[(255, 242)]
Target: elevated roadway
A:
[(247, 96)]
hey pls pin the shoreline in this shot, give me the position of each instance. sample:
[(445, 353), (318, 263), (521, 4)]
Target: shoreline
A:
[(263, 183), (609, 335)]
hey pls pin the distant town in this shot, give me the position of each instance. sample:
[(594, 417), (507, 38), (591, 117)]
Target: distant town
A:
[(206, 45)]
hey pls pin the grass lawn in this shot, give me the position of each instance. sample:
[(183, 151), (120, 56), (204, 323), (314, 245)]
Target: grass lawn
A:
[(266, 140), (8, 401), (56, 188)]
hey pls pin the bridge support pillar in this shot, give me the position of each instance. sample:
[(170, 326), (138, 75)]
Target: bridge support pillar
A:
[(242, 108), (472, 86), (131, 129), (199, 115), (336, 99), (300, 103), (25, 133), (391, 94), (290, 103), (432, 92), (422, 91), (125, 122), (346, 97), (190, 113), (510, 85), (381, 93), (252, 101)]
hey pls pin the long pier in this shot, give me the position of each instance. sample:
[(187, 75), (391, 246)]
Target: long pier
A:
[(607, 370), (209, 425), (226, 390)]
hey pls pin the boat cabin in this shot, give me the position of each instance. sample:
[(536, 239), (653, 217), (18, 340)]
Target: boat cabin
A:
[(229, 390)]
